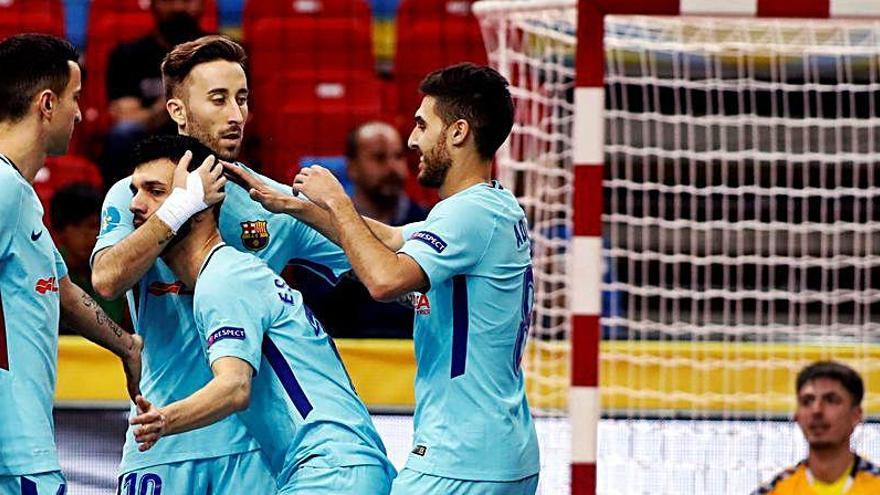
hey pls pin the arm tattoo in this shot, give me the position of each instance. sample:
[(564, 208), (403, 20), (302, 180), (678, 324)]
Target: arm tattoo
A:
[(100, 316)]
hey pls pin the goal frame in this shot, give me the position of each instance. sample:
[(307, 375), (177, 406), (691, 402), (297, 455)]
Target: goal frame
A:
[(585, 281)]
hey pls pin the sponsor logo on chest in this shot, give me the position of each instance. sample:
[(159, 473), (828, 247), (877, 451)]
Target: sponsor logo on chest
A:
[(162, 288), (46, 285), (421, 304)]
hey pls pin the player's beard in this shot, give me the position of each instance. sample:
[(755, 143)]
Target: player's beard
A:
[(213, 142), (437, 164)]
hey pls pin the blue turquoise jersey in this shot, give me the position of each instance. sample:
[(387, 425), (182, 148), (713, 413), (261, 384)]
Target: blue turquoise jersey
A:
[(30, 272), (174, 364), (303, 408), (472, 420)]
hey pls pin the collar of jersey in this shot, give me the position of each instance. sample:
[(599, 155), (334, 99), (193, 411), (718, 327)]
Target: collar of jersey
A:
[(207, 259), (850, 476), (476, 187), (8, 161)]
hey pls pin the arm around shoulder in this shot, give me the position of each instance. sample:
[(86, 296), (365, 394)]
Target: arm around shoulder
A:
[(117, 268)]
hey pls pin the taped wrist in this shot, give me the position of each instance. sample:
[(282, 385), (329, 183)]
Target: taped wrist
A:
[(180, 205)]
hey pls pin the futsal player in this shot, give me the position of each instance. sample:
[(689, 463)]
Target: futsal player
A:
[(271, 360), (39, 92), (207, 93), (470, 263)]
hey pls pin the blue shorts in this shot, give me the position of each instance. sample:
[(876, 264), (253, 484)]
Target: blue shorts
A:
[(346, 480), (410, 482), (51, 483), (216, 476)]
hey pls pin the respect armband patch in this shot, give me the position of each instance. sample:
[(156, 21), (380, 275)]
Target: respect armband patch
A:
[(431, 239), (226, 333)]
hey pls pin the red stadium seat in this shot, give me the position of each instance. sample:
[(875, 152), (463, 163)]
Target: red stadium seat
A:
[(256, 10), (112, 22), (294, 35), (313, 116), (31, 16), (432, 34), (311, 62), (281, 44)]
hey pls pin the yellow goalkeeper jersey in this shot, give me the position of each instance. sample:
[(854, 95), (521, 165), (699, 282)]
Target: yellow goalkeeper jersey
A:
[(863, 479)]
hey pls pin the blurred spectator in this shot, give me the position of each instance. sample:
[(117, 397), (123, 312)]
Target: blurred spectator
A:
[(134, 82), (60, 171), (377, 168), (75, 215)]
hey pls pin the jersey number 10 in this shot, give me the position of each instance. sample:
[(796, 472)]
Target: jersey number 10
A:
[(150, 484)]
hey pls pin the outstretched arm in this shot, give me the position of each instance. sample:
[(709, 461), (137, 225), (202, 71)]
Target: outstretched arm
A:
[(82, 313), (308, 212), (386, 273), (228, 392), (118, 267)]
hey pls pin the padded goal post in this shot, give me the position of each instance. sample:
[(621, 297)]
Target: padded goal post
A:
[(726, 151)]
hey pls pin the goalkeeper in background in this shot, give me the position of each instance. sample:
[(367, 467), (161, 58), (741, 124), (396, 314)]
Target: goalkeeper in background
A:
[(829, 398)]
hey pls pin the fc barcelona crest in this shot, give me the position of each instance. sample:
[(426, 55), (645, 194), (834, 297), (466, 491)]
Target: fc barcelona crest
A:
[(254, 234)]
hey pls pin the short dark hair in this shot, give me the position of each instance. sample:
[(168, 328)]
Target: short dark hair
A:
[(74, 203), (184, 57), (841, 373), (171, 147), (477, 94), (31, 63)]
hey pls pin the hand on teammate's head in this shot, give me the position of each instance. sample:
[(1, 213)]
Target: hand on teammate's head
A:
[(213, 181), (270, 198), (320, 186), (208, 174)]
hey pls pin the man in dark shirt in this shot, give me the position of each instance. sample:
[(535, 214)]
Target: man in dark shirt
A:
[(134, 82)]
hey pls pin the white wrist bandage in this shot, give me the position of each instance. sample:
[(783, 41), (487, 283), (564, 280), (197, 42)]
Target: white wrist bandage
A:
[(181, 204)]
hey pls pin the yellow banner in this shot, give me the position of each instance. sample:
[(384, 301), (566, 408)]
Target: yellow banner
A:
[(635, 376), (382, 372)]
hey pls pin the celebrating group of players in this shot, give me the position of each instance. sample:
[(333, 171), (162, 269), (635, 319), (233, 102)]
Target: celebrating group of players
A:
[(236, 385)]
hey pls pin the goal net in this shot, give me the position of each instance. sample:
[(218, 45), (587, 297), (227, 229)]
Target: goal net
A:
[(741, 236), (534, 48)]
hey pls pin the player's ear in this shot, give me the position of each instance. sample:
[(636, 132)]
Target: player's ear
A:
[(201, 216), (176, 111), (858, 415), (46, 102), (459, 131)]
